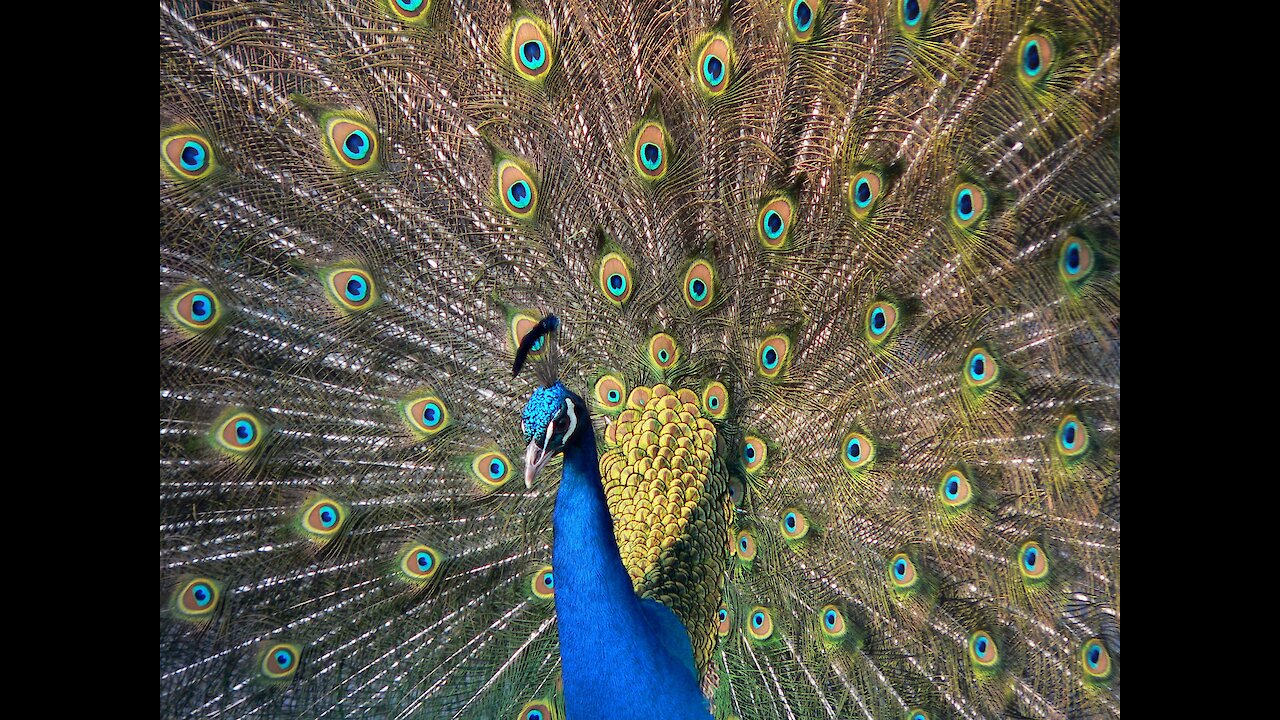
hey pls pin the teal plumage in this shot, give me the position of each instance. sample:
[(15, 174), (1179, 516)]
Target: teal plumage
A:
[(839, 286)]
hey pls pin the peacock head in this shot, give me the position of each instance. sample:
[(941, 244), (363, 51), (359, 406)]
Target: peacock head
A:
[(554, 418)]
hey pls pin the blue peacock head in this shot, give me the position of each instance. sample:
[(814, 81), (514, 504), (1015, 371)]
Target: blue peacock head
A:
[(554, 415)]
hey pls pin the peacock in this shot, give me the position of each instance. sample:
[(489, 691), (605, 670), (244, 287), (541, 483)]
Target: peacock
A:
[(576, 359)]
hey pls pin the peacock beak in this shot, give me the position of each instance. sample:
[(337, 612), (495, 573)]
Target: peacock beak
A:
[(535, 456)]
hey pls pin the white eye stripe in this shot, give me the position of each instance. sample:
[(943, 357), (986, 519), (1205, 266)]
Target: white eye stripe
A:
[(573, 418)]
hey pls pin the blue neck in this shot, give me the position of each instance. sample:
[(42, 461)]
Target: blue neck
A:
[(614, 664)]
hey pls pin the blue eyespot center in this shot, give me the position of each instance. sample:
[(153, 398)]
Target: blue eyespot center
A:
[(803, 16), (613, 396), (244, 432), (663, 355), (201, 308), (532, 54), (878, 321), (1095, 656), (830, 618), (791, 521), (698, 289), (357, 289), (981, 646), (534, 715), (519, 194), (356, 146), (770, 358), (964, 204), (713, 402), (431, 414), (549, 580), (772, 224), (744, 544), (651, 156), (202, 594), (713, 70), (328, 517), (1031, 58), (911, 11), (1069, 436), (862, 193), (409, 5), (1073, 258), (854, 450), (1029, 559), (722, 615), (617, 284), (953, 488), (900, 569), (537, 345), (750, 453), (496, 468), (757, 619), (284, 659), (192, 156), (978, 368)]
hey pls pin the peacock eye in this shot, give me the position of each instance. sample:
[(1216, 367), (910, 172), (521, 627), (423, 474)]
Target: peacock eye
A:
[(186, 155), (536, 710), (968, 204), (902, 572), (882, 320), (913, 12), (1072, 437), (649, 154), (418, 563), (492, 469), (801, 19), (724, 621), (864, 190), (194, 310), (715, 400), (857, 451), (1075, 260), (699, 285), (753, 453), (1036, 55), (774, 223), (745, 546), (833, 625), (323, 519), (711, 67), (531, 49), (239, 434), (983, 651), (1032, 561), (980, 369), (794, 525), (1096, 660), (280, 662), (615, 278), (955, 492), (353, 143), (543, 583), (411, 10), (760, 624), (663, 351), (516, 189), (425, 414), (772, 355), (349, 289), (197, 599), (610, 392)]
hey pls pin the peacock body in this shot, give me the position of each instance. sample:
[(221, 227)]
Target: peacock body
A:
[(828, 426)]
